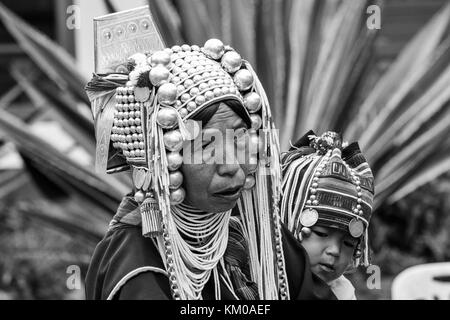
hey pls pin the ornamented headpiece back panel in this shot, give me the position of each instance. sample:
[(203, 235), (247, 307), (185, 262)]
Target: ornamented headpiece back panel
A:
[(120, 35)]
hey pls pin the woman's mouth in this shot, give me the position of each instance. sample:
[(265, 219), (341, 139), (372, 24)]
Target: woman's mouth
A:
[(230, 193)]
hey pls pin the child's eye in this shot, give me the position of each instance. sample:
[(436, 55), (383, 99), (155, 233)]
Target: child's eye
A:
[(349, 243), (320, 234)]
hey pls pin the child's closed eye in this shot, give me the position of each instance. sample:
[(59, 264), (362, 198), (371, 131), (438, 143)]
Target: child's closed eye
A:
[(350, 243), (320, 233)]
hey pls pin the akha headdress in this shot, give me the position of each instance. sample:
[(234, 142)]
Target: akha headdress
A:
[(329, 185), (142, 95)]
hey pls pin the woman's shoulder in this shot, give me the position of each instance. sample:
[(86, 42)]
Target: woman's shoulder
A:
[(121, 258)]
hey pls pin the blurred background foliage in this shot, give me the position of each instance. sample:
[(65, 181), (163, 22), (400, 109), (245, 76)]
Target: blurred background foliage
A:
[(322, 69)]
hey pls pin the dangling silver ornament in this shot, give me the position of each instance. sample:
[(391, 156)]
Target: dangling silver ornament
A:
[(252, 102), (249, 182), (167, 118), (167, 93), (243, 79), (158, 75), (214, 48), (175, 179), (173, 140), (174, 160), (139, 196), (160, 57), (177, 196), (139, 177), (256, 121), (231, 61)]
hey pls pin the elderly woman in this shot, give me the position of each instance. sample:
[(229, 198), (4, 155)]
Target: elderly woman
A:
[(194, 127), (185, 121)]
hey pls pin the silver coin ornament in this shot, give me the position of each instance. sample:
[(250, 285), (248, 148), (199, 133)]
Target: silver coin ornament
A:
[(141, 94), (356, 228), (309, 217)]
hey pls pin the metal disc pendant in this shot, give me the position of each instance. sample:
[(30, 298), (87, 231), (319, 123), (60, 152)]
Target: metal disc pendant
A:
[(141, 94), (356, 228), (309, 217)]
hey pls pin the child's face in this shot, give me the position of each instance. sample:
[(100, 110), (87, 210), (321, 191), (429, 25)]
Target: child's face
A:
[(330, 251)]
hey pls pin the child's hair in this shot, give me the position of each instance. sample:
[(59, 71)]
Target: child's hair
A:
[(326, 183)]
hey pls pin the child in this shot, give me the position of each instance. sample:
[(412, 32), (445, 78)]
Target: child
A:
[(326, 205)]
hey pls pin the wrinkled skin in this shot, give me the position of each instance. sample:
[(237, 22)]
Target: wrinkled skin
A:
[(215, 184)]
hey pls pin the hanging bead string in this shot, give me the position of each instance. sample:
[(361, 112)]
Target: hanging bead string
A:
[(196, 267), (156, 153), (191, 265), (247, 213), (266, 238), (259, 221), (358, 211), (179, 256), (274, 222), (292, 203), (217, 292), (313, 184)]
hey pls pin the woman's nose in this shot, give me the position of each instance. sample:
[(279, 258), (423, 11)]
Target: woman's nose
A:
[(230, 168), (228, 161)]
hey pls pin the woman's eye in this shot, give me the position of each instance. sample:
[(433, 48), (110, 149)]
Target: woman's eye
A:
[(240, 136), (207, 143)]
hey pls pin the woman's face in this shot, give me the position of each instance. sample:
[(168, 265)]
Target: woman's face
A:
[(330, 251), (215, 181)]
